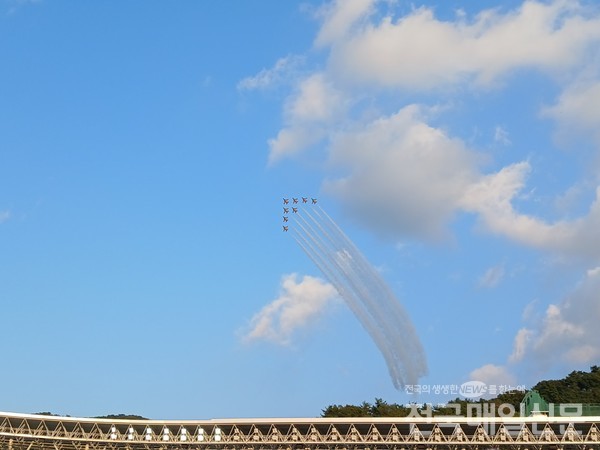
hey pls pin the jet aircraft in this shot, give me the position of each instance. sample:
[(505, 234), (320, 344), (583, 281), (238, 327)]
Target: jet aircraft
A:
[(304, 199), (295, 200), (285, 218), (285, 228), (314, 201), (295, 210), (286, 201), (286, 210)]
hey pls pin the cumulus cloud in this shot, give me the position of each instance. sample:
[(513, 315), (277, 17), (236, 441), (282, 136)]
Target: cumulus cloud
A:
[(299, 303), (396, 172), (339, 17), (569, 331), (492, 374), (492, 198), (420, 51), (403, 176), (316, 104), (576, 110)]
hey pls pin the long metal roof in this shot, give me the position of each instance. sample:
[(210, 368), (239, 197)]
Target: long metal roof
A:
[(31, 431)]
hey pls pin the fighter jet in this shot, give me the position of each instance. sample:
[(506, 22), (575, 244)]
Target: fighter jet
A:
[(294, 210), (295, 200), (285, 218), (286, 210), (304, 199), (285, 228), (314, 201), (286, 201)]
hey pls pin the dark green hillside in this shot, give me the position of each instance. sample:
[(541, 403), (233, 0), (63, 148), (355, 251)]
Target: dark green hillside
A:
[(577, 387)]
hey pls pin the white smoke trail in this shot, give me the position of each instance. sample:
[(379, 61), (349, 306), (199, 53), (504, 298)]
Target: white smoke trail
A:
[(365, 292), (332, 270), (389, 313)]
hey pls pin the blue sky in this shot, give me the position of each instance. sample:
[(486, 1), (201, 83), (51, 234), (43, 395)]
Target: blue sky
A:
[(145, 148)]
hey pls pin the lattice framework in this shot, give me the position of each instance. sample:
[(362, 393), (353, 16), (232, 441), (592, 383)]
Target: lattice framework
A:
[(32, 432)]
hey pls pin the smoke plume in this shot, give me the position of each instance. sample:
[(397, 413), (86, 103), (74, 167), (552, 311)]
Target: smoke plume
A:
[(364, 291)]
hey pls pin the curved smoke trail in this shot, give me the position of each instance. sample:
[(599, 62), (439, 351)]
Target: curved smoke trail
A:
[(365, 292)]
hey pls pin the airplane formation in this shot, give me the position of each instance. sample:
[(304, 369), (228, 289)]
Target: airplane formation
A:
[(295, 201)]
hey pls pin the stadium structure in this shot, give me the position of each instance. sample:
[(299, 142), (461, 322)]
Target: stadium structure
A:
[(538, 432)]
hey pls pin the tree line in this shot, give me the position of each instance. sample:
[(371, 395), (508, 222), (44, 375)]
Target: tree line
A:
[(576, 387)]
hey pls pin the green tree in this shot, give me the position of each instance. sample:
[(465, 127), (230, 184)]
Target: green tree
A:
[(363, 410), (577, 387), (122, 417), (382, 408)]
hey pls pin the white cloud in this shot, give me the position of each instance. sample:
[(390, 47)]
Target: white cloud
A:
[(283, 70), (576, 110), (298, 304), (401, 176), (339, 17), (317, 101), (404, 176), (290, 141), (570, 199), (492, 374), (569, 331), (316, 104), (397, 173), (420, 51), (492, 198), (492, 277)]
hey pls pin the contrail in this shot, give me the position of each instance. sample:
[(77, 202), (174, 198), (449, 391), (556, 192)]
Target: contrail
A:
[(364, 291), (334, 273)]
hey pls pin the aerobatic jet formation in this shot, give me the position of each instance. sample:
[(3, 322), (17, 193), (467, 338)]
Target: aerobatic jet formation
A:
[(297, 200), (295, 209)]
